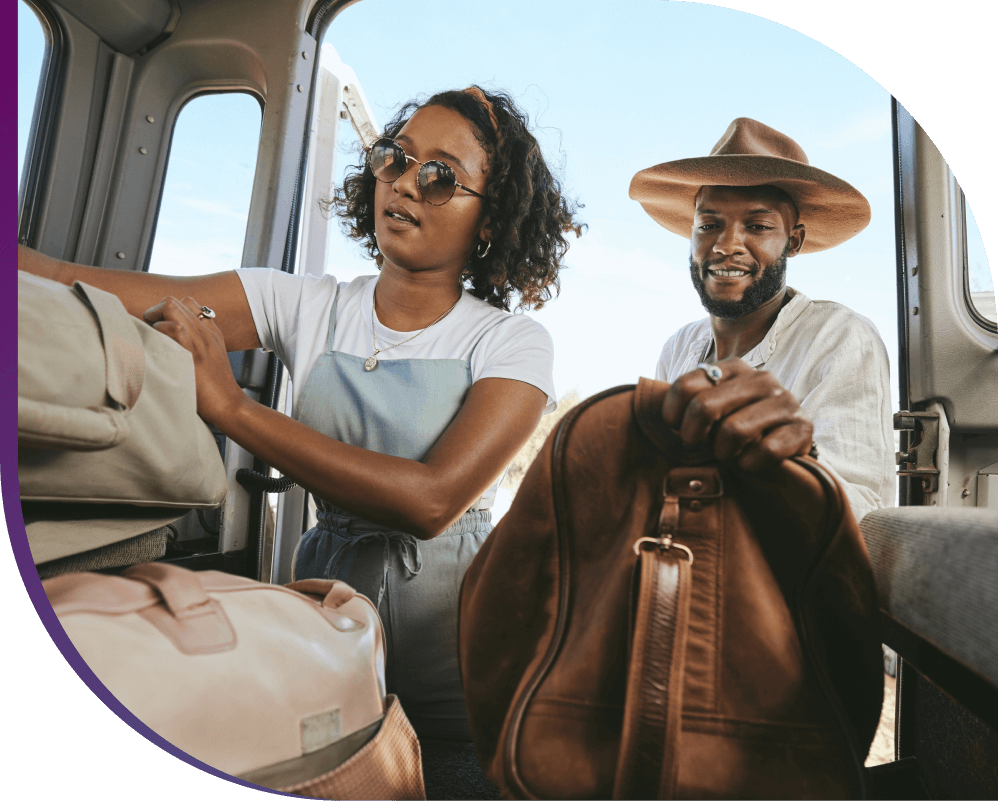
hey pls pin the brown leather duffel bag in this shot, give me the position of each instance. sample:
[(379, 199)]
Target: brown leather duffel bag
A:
[(648, 623)]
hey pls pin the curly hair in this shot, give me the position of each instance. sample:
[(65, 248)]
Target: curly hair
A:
[(528, 215)]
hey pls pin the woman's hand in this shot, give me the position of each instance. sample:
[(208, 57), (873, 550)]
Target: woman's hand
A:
[(218, 394), (752, 418)]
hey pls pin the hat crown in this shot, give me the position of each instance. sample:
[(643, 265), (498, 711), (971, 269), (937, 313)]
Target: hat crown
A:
[(747, 137)]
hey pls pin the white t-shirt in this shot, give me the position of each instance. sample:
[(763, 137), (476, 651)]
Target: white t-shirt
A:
[(291, 315)]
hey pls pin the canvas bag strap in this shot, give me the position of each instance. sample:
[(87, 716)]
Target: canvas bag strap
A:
[(51, 425), (124, 356)]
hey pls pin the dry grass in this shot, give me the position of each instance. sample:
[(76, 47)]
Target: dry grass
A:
[(882, 750), (523, 459)]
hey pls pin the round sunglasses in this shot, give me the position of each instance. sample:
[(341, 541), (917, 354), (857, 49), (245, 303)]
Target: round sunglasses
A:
[(435, 179)]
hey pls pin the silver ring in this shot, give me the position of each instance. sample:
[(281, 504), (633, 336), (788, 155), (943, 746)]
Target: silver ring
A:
[(206, 314), (714, 374)]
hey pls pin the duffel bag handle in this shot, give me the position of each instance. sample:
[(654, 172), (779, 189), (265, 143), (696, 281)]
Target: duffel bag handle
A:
[(194, 622), (648, 399), (334, 593), (48, 425), (180, 589)]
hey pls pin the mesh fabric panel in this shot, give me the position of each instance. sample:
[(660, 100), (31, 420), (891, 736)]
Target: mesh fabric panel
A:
[(135, 550)]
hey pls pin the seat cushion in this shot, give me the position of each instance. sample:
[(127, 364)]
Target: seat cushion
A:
[(936, 571)]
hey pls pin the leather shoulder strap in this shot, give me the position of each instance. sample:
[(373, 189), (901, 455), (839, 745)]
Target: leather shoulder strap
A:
[(653, 705)]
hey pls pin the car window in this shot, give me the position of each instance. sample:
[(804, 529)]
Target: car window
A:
[(978, 273), (209, 180), (32, 45)]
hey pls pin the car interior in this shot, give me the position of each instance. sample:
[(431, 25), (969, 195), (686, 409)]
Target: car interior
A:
[(117, 75)]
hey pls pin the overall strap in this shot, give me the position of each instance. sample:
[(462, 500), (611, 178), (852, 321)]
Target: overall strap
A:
[(332, 321)]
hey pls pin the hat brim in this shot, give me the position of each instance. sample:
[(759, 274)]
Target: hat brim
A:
[(831, 210)]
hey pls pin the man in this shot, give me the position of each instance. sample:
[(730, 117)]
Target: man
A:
[(750, 205)]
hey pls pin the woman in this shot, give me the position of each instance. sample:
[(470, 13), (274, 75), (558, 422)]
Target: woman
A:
[(413, 389)]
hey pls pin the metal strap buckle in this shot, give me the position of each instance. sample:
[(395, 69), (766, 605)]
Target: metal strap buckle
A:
[(664, 543)]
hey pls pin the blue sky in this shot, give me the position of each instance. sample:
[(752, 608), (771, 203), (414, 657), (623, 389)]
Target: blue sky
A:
[(30, 50), (608, 99), (604, 116)]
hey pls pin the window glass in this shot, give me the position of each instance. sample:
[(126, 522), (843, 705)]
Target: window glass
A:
[(982, 288), (209, 181), (629, 104), (30, 55)]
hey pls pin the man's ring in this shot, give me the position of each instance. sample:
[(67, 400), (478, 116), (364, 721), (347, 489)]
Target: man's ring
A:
[(206, 313), (714, 374)]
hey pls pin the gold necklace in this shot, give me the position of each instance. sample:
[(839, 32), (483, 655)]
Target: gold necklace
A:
[(372, 360)]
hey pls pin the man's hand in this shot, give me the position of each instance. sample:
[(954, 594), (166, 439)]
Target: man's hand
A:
[(751, 418)]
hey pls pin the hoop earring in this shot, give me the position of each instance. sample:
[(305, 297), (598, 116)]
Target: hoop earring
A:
[(483, 253)]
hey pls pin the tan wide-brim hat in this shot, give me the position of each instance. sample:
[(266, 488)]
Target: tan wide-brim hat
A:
[(753, 154)]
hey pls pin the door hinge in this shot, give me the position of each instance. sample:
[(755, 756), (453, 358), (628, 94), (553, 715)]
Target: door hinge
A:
[(919, 444)]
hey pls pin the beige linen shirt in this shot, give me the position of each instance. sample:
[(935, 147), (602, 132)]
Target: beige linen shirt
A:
[(835, 363)]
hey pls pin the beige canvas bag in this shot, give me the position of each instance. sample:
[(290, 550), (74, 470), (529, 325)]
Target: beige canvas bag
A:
[(107, 411), (283, 687), (81, 366)]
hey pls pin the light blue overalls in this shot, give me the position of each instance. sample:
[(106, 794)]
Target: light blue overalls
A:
[(400, 408)]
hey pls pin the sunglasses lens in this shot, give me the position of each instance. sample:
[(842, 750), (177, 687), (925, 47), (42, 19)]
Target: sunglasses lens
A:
[(436, 182), (387, 160)]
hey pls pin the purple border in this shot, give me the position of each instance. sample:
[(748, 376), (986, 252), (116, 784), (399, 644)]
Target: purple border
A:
[(78, 730)]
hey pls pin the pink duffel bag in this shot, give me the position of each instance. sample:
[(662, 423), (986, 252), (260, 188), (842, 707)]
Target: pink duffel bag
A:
[(280, 686)]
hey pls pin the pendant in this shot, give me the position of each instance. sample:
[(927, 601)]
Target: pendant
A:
[(371, 363)]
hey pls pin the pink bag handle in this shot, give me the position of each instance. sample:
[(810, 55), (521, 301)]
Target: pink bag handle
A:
[(334, 593), (180, 589), (193, 622)]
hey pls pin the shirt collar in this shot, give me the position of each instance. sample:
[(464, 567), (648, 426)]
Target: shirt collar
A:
[(763, 352)]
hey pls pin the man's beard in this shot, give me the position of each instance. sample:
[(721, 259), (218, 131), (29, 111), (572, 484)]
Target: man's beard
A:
[(765, 287)]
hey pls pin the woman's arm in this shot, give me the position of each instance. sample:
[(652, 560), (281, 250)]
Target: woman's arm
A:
[(422, 498), (139, 291)]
